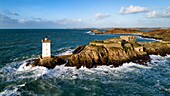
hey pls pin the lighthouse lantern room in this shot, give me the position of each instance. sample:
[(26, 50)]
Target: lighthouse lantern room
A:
[(46, 48)]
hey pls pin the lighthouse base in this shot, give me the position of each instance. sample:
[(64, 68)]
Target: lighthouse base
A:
[(45, 60)]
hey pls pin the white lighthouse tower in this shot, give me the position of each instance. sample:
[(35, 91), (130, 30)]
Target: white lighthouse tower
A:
[(46, 48)]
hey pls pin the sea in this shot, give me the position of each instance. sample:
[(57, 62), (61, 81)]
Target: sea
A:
[(131, 79)]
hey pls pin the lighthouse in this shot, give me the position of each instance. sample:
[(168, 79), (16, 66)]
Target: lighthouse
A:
[(46, 48)]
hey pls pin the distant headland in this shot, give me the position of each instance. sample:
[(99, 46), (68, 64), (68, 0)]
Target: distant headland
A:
[(113, 51)]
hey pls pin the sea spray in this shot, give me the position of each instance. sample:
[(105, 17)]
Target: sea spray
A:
[(129, 79), (103, 74), (89, 32)]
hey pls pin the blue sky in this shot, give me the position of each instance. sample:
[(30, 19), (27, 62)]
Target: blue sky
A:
[(84, 13)]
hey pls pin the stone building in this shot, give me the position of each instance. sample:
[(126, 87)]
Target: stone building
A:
[(114, 42), (128, 38)]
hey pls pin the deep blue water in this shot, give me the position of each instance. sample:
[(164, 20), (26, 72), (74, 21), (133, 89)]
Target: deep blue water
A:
[(19, 45)]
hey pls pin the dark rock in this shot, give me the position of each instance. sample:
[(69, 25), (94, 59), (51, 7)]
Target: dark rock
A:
[(78, 49), (49, 62)]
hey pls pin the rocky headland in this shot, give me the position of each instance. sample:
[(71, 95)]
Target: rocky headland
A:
[(161, 34), (113, 51), (119, 31)]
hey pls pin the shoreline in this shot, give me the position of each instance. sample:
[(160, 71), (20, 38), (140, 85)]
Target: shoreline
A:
[(93, 55)]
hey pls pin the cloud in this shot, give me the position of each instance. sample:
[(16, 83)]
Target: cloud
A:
[(132, 10), (11, 13), (100, 16), (152, 14), (69, 21), (155, 14), (8, 22), (5, 19), (168, 8)]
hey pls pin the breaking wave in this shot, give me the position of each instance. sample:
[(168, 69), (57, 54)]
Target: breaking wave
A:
[(91, 33), (65, 51), (21, 74), (150, 39)]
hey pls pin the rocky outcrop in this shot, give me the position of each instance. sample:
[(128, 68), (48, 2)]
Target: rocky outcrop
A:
[(157, 48), (50, 62), (96, 32), (112, 51), (93, 56)]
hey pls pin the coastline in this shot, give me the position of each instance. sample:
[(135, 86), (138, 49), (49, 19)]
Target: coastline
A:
[(93, 55)]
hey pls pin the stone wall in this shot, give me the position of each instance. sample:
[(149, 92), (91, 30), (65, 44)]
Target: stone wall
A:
[(129, 38), (108, 45)]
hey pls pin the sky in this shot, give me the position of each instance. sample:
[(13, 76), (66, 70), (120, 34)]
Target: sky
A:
[(84, 13)]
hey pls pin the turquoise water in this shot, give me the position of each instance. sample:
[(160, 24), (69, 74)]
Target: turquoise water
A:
[(18, 46)]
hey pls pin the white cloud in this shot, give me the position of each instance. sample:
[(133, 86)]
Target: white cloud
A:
[(101, 16), (8, 22), (152, 14), (155, 14), (37, 19), (132, 10), (69, 21), (168, 8), (11, 13), (21, 21)]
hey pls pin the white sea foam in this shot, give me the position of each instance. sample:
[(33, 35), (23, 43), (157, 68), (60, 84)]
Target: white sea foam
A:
[(88, 32), (23, 67), (148, 38), (12, 91), (64, 72), (158, 58), (71, 73), (36, 71), (68, 52), (8, 92), (91, 33)]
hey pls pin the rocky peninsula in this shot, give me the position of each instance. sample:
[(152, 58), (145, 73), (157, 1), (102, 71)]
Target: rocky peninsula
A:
[(113, 51)]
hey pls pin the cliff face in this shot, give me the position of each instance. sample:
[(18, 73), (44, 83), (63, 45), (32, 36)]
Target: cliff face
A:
[(92, 56)]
